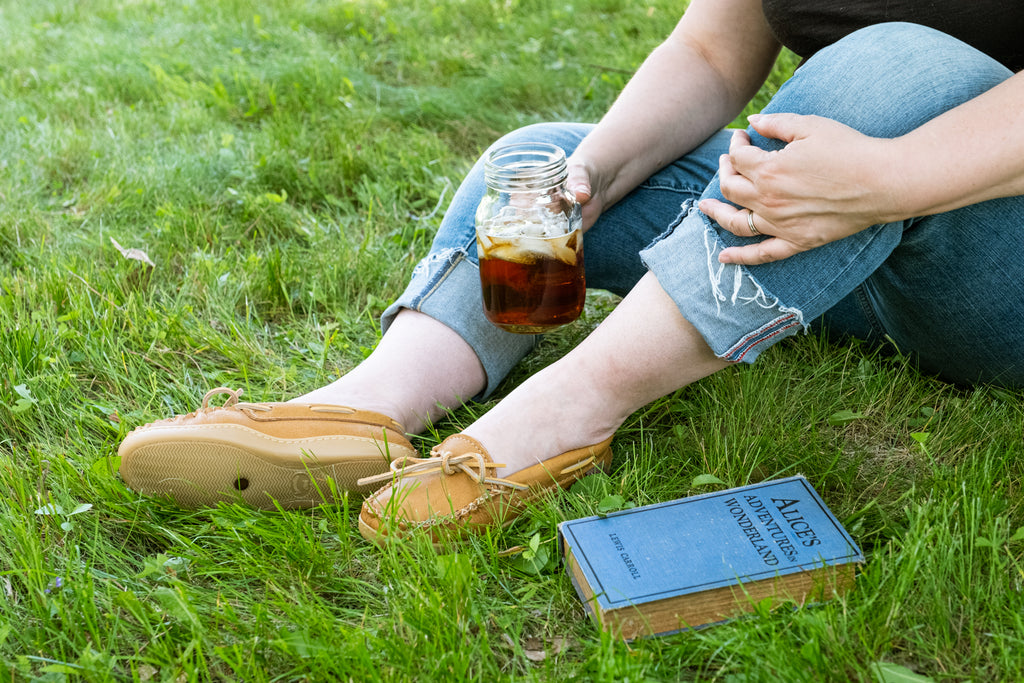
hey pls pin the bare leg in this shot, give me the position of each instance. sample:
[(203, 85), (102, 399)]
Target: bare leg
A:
[(420, 369), (644, 350)]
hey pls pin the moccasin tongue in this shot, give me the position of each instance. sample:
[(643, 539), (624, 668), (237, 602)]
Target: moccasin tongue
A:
[(459, 444), (435, 495)]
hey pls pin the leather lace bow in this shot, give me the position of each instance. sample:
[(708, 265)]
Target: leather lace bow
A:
[(472, 464)]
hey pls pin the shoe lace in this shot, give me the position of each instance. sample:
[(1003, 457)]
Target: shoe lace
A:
[(233, 395), (472, 464), (231, 401)]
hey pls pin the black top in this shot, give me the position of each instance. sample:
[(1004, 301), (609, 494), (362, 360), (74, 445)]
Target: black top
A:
[(996, 27)]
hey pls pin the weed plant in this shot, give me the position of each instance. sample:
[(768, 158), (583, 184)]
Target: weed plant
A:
[(229, 193)]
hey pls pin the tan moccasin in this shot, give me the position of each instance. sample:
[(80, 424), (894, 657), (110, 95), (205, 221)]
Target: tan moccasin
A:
[(455, 491), (265, 454)]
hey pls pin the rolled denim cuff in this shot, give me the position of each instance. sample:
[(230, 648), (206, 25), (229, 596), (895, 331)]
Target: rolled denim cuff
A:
[(446, 286), (737, 317)]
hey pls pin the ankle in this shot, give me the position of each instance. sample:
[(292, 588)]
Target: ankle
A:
[(333, 394), (534, 423)]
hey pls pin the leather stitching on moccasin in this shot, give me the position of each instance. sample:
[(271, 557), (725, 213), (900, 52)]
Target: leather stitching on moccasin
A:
[(435, 519), (259, 434)]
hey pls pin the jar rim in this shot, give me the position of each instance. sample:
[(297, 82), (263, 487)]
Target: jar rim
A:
[(525, 166)]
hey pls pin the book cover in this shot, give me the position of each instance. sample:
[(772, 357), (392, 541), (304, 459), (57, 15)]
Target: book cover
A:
[(691, 562)]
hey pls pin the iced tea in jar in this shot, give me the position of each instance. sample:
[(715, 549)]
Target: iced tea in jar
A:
[(529, 239)]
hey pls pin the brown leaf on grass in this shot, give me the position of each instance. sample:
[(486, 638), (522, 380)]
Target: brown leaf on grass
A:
[(537, 649), (134, 254)]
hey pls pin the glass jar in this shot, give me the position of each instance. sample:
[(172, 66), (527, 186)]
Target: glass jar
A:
[(529, 239)]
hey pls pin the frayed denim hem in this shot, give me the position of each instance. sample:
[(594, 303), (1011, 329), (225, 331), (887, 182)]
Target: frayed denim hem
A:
[(736, 316), (446, 286)]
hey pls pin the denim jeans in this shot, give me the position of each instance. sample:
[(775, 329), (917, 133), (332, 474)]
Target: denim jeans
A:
[(945, 289)]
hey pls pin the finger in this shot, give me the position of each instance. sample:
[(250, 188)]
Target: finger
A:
[(765, 251), (735, 187), (744, 156), (752, 224), (578, 182), (785, 127), (730, 218), (591, 212), (739, 139), (716, 210), (725, 168)]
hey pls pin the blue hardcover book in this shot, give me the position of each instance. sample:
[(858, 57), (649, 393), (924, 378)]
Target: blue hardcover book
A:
[(687, 563)]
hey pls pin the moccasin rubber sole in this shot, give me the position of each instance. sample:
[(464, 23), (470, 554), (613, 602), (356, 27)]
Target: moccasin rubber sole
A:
[(201, 466)]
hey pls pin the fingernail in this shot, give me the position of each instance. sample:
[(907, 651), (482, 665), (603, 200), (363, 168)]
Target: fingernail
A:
[(753, 118)]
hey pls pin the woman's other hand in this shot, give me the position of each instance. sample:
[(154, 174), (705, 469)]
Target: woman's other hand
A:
[(827, 183)]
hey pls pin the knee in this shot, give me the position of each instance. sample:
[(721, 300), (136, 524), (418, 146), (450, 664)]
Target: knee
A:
[(535, 132), (564, 135), (923, 51), (889, 78)]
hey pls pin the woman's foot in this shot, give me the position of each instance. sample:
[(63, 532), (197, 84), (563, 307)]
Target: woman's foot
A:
[(457, 491), (282, 454), (558, 409), (534, 441), (268, 455), (552, 429)]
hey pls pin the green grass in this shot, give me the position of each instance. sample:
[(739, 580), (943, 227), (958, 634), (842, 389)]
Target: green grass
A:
[(281, 164)]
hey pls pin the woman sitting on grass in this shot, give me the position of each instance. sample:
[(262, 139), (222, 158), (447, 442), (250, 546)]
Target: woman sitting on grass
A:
[(878, 195)]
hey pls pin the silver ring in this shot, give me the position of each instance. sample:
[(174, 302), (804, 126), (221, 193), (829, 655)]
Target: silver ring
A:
[(750, 223)]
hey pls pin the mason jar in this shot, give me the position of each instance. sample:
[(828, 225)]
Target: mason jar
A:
[(529, 240)]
